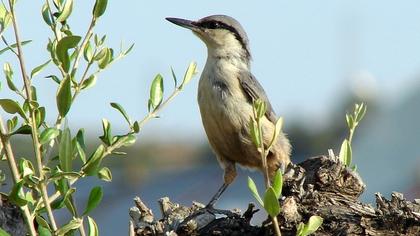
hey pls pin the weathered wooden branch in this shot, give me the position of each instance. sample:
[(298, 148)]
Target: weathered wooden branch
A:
[(11, 218), (318, 186)]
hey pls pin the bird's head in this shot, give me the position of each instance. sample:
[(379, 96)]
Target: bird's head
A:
[(222, 34)]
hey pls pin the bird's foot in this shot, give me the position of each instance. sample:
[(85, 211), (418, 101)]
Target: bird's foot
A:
[(214, 211)]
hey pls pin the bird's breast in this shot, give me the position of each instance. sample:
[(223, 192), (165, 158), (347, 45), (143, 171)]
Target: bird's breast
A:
[(224, 109)]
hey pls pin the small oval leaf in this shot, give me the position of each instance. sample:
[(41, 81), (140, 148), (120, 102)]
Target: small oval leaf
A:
[(254, 191), (105, 174), (12, 107), (73, 224), (93, 228), (95, 198), (156, 92), (271, 203), (63, 46), (64, 97), (48, 134), (121, 110), (189, 74), (65, 13), (99, 8)]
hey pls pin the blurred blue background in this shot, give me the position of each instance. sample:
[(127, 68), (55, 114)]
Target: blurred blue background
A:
[(314, 59)]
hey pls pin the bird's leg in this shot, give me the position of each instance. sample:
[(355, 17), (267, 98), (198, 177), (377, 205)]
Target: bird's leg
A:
[(229, 176), (217, 196)]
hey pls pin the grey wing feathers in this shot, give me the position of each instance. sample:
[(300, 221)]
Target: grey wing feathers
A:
[(254, 90)]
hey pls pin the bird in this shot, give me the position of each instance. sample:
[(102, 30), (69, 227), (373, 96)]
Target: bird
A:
[(226, 92)]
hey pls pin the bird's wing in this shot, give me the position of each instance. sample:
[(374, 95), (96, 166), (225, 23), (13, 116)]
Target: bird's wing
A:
[(254, 91)]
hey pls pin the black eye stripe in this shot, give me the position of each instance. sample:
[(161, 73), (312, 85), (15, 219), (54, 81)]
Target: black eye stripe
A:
[(220, 25)]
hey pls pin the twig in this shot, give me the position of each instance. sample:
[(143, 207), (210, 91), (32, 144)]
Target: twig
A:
[(36, 144)]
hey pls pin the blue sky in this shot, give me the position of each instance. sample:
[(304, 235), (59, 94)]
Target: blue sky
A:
[(307, 54)]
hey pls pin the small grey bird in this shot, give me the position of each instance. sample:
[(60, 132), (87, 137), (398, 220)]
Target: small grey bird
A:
[(226, 92)]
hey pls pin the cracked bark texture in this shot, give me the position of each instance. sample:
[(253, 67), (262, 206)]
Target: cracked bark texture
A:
[(318, 186)]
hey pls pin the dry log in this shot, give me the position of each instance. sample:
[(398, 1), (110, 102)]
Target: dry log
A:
[(318, 186)]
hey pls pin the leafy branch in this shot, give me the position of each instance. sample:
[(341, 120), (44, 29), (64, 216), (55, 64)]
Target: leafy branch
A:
[(33, 178)]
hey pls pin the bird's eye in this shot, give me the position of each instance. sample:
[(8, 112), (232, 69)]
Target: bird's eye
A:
[(215, 25), (212, 25)]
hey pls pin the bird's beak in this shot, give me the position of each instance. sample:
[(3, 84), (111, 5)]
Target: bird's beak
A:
[(183, 23)]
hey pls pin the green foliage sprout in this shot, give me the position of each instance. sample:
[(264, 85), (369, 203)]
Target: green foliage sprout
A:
[(273, 188), (353, 120), (273, 191)]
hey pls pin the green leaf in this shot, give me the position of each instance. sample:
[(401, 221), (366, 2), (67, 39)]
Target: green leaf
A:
[(8, 71), (107, 136), (68, 175), (54, 78), (65, 151), (4, 233), (174, 77), (93, 228), (156, 92), (95, 198), (105, 174), (42, 222), (40, 116), (63, 46), (278, 183), (128, 50), (129, 140), (255, 132), (25, 168), (89, 82), (24, 129), (136, 127), (65, 13), (100, 55), (80, 137), (350, 121), (62, 201), (361, 111), (22, 43), (48, 134), (16, 195), (105, 60), (46, 14), (300, 228), (191, 71), (73, 224), (121, 110), (260, 107), (42, 231), (313, 224), (271, 203), (345, 155), (64, 97), (254, 191), (12, 107), (277, 130), (99, 8), (11, 124), (92, 165), (87, 52), (38, 69)]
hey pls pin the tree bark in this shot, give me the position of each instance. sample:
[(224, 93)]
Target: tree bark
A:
[(318, 186)]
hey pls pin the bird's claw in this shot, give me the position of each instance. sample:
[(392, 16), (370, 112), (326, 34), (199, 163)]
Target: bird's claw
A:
[(215, 211)]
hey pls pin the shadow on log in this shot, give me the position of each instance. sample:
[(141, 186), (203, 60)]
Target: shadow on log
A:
[(318, 186)]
